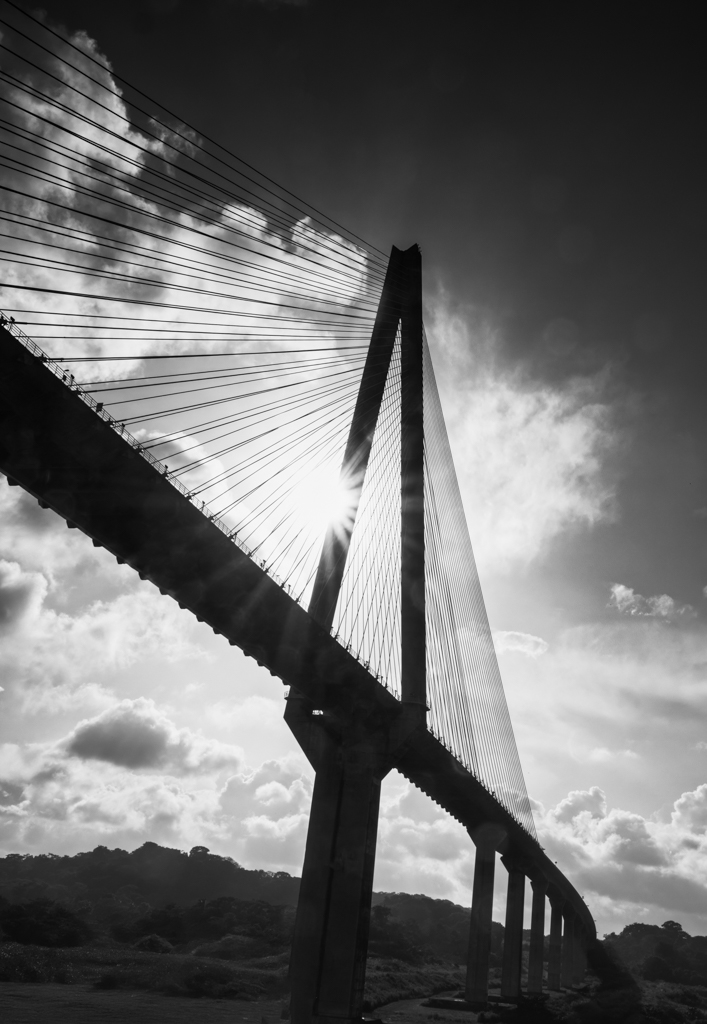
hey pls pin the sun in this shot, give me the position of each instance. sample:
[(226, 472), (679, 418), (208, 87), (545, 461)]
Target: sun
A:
[(324, 500)]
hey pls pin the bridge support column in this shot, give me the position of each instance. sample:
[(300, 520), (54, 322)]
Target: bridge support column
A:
[(580, 954), (554, 964), (330, 943), (537, 937), (568, 944), (513, 936), (487, 840)]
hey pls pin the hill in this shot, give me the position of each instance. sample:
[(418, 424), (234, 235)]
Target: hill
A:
[(152, 874), (662, 953)]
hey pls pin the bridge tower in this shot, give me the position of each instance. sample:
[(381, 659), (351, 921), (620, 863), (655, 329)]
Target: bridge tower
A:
[(352, 753)]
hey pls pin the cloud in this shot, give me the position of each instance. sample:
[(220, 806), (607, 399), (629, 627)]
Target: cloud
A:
[(121, 162), (628, 602), (506, 641), (134, 734), (51, 656), (630, 865), (131, 775), (610, 694), (21, 596), (533, 459), (577, 802), (603, 754), (690, 810), (278, 785)]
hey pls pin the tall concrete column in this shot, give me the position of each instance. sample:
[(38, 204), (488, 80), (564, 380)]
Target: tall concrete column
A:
[(580, 953), (513, 935), (568, 944), (537, 936), (333, 911), (554, 965), (487, 840), (330, 942)]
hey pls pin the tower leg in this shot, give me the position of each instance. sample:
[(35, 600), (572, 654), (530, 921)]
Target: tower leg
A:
[(513, 937), (328, 962), (330, 943), (537, 937)]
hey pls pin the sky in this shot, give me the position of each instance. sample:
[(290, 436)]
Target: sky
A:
[(550, 162)]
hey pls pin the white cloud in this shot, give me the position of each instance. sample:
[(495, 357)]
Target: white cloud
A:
[(628, 866), (690, 811), (52, 656), (603, 754), (532, 459), (131, 775), (628, 602), (610, 694), (506, 641)]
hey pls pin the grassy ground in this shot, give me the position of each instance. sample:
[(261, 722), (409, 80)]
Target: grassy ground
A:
[(114, 983), (82, 1004), (120, 967)]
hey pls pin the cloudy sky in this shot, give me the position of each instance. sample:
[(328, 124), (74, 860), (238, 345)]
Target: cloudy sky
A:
[(551, 165)]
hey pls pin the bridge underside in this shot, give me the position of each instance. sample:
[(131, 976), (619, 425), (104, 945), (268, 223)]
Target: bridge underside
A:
[(74, 462)]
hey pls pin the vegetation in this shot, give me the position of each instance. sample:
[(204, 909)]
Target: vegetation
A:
[(199, 925), (43, 923), (151, 875), (665, 953)]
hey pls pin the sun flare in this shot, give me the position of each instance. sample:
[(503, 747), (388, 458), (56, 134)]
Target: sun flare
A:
[(324, 500)]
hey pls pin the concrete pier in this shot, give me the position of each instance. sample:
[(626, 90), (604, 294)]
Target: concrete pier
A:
[(327, 968), (487, 840), (537, 936), (580, 954), (513, 936), (554, 966), (567, 971)]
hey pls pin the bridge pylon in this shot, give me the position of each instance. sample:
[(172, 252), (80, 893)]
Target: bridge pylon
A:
[(351, 754)]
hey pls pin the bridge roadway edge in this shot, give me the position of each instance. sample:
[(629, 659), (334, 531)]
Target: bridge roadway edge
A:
[(69, 459)]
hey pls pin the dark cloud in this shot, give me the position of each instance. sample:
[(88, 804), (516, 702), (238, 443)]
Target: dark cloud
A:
[(20, 594), (124, 737), (10, 793), (135, 735), (25, 509)]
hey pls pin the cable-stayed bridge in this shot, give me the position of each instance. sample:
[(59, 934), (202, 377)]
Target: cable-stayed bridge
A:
[(234, 395)]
